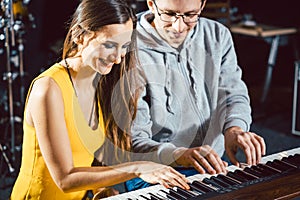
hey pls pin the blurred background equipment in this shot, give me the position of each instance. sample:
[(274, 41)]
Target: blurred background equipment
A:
[(296, 101), (14, 21)]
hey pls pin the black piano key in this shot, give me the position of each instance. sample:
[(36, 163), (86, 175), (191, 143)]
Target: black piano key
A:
[(202, 186), (290, 160), (276, 166), (170, 196), (290, 164), (185, 192), (176, 194), (194, 192), (229, 180), (296, 157), (221, 182), (196, 189), (212, 182), (293, 159), (282, 165), (245, 175), (237, 177), (261, 170), (269, 169), (144, 197), (154, 197), (254, 172), (287, 165)]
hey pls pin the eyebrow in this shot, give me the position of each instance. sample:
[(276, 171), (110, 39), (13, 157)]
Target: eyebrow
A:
[(173, 11), (115, 43)]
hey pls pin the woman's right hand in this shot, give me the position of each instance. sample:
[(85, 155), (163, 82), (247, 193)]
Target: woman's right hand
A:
[(165, 175)]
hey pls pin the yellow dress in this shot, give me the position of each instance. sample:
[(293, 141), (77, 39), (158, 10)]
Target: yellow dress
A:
[(34, 180)]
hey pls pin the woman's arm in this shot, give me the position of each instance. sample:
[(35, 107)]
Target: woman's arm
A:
[(45, 111)]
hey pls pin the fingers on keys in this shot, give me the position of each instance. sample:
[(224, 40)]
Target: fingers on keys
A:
[(205, 159), (174, 178), (253, 146)]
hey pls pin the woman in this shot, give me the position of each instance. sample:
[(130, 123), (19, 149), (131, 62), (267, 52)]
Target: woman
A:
[(69, 111)]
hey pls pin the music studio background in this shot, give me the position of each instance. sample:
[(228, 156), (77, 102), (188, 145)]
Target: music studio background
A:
[(43, 34)]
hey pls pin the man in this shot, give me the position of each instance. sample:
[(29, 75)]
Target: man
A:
[(194, 105)]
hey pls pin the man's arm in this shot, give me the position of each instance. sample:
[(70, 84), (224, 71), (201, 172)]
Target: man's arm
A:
[(233, 98), (234, 104)]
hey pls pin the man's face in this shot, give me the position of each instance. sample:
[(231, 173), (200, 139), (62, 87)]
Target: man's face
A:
[(175, 32)]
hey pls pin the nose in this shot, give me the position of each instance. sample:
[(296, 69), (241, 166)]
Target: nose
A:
[(116, 57), (179, 25)]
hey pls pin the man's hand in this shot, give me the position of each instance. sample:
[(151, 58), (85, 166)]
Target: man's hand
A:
[(252, 145), (203, 159)]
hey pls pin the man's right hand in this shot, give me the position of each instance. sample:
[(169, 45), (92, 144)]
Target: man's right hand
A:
[(204, 159)]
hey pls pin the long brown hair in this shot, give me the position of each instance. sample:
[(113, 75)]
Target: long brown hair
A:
[(116, 92)]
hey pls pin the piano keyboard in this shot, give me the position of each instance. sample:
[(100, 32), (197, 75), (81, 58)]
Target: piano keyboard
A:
[(283, 167)]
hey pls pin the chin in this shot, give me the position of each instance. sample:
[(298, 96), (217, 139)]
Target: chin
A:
[(175, 40), (175, 44), (105, 71)]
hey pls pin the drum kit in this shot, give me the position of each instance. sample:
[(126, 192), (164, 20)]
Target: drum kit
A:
[(14, 17)]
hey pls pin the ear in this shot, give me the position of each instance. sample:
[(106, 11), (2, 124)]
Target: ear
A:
[(79, 40), (84, 38), (88, 36), (151, 5)]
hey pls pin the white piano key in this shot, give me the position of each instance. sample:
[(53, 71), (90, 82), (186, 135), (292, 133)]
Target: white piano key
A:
[(232, 168), (280, 155), (198, 177), (161, 194)]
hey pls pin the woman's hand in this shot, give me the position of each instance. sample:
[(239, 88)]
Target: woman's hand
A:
[(165, 175)]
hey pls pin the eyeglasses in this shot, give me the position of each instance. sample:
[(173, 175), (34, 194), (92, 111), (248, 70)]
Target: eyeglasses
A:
[(172, 16)]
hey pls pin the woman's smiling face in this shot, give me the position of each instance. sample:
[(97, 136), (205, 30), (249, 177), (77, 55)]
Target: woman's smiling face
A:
[(107, 47)]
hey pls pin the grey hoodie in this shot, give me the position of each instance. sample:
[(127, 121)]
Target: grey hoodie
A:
[(191, 95)]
